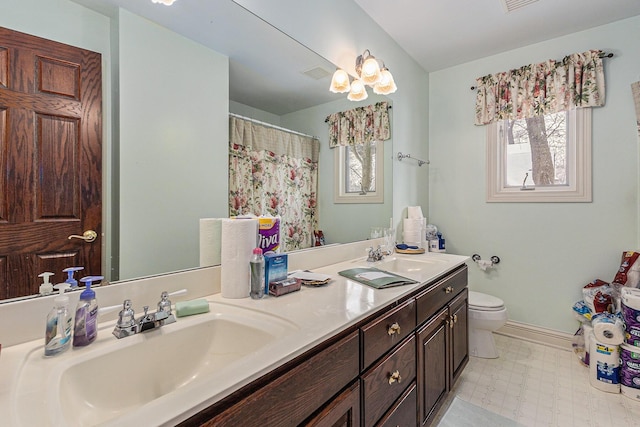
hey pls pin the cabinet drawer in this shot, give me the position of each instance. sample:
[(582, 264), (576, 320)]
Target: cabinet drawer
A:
[(294, 396), (438, 295), (404, 413), (382, 333), (387, 380)]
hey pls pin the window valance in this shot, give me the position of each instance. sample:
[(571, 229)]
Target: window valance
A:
[(360, 125), (537, 89)]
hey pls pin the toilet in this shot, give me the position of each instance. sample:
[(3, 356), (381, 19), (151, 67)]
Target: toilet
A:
[(486, 314)]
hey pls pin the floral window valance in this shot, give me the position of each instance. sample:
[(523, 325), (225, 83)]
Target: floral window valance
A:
[(537, 89), (360, 125)]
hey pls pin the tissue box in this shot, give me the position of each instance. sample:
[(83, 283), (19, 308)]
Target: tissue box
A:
[(275, 268)]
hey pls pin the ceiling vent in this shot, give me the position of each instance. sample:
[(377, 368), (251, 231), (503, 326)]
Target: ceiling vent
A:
[(511, 5), (317, 73)]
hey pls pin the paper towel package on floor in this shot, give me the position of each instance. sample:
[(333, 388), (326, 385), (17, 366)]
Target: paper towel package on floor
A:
[(210, 241), (239, 238), (604, 366), (630, 371), (630, 308)]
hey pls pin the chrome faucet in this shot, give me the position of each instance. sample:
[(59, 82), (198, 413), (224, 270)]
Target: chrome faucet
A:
[(376, 254), (128, 325)]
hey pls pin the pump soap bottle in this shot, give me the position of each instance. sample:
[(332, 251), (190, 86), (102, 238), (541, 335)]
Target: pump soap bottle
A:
[(85, 330), (58, 333), (46, 287), (70, 279)]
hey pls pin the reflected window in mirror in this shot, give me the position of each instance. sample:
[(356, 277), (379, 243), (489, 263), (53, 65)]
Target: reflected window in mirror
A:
[(359, 173)]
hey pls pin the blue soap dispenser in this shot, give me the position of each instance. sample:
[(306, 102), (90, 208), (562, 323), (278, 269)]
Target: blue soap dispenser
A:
[(85, 329), (70, 279), (58, 333)]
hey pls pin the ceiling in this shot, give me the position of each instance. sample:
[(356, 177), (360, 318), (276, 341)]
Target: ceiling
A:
[(442, 33), (436, 33)]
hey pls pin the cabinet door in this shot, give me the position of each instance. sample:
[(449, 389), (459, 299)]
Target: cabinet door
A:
[(459, 336), (342, 411), (433, 343)]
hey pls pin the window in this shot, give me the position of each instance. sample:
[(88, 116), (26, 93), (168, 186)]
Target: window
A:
[(542, 159), (359, 173)]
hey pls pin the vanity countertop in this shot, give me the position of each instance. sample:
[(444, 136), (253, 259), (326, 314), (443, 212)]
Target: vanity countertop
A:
[(316, 314)]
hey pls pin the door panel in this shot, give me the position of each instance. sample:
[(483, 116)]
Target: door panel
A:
[(50, 159)]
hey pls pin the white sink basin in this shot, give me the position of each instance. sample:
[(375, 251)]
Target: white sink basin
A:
[(417, 267), (120, 376)]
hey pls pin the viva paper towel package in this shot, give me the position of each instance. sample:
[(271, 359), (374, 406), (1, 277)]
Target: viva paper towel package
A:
[(269, 234)]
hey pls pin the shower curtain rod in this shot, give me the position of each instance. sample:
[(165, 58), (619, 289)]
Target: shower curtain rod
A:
[(269, 125)]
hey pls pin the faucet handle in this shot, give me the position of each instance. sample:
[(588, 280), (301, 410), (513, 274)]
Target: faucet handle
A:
[(126, 317)]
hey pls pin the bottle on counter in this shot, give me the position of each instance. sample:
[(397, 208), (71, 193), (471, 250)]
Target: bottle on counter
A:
[(85, 329), (256, 265), (57, 337)]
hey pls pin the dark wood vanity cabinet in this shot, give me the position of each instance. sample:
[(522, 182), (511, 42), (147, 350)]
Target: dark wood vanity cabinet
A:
[(392, 369), (442, 342)]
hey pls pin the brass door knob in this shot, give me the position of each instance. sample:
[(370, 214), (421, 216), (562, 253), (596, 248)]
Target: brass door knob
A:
[(88, 236)]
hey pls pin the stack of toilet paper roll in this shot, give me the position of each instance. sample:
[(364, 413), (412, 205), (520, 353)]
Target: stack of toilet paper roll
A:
[(630, 349), (604, 352), (413, 227)]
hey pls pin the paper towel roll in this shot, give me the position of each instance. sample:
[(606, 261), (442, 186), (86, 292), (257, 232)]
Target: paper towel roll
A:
[(414, 212), (210, 241), (239, 238), (604, 366), (608, 329)]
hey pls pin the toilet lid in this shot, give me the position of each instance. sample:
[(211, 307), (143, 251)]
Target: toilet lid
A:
[(484, 301)]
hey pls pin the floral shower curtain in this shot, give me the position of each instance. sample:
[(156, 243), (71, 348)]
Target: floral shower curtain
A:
[(273, 172), (538, 89)]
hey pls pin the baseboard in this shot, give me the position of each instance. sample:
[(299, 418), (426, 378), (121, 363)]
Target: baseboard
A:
[(537, 334)]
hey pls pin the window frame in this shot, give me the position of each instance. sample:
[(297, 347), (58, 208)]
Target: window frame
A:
[(340, 195), (579, 188)]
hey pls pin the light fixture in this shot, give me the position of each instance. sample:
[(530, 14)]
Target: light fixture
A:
[(370, 73), (164, 2)]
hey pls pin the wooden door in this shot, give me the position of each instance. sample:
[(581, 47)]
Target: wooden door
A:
[(50, 160)]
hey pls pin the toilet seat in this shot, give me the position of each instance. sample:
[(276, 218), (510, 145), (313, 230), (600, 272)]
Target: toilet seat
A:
[(483, 302)]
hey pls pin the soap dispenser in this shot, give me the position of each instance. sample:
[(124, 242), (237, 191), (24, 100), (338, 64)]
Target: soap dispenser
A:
[(70, 279), (46, 287), (58, 332), (85, 330)]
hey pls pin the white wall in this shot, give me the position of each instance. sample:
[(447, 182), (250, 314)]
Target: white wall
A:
[(168, 121), (548, 251)]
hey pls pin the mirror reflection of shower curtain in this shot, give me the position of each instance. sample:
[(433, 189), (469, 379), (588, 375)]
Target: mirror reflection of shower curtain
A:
[(274, 172)]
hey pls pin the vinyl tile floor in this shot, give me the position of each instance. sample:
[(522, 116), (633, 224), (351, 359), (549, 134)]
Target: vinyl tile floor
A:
[(537, 385)]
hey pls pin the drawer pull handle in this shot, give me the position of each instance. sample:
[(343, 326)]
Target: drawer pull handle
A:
[(452, 321), (448, 289), (394, 329), (455, 318), (395, 377)]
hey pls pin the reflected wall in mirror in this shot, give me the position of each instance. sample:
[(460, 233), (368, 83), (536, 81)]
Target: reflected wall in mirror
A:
[(171, 76)]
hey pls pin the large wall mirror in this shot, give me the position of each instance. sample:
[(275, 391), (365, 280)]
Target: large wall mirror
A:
[(164, 172)]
